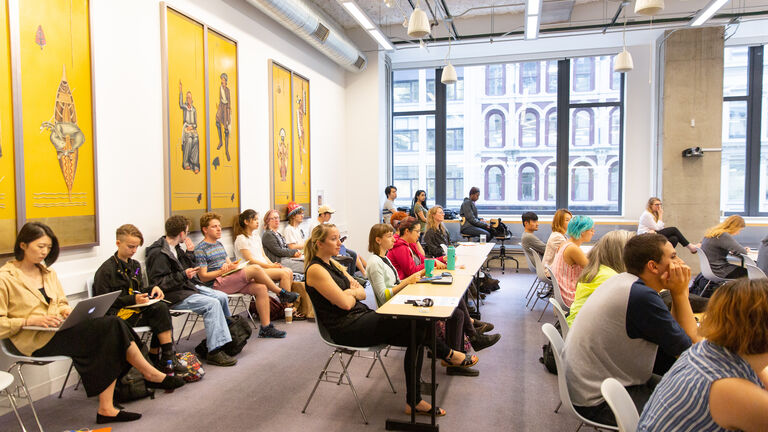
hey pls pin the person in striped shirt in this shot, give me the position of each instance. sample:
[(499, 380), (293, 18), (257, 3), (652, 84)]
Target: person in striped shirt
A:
[(719, 384)]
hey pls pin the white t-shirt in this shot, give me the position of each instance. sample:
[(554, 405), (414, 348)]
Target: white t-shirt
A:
[(312, 224), (294, 234), (253, 244)]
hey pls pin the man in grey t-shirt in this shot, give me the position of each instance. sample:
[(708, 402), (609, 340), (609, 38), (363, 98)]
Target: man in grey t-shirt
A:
[(529, 240), (389, 203)]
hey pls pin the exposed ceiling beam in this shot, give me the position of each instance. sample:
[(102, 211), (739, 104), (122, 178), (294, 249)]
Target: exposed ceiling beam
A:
[(616, 15)]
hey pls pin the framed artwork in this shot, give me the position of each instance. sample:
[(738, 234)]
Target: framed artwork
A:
[(201, 119), (7, 168), (223, 126), (300, 98), (281, 154), (54, 124), (289, 151)]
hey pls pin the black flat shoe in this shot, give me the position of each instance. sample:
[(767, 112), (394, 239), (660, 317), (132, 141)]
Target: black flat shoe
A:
[(122, 416), (168, 383)]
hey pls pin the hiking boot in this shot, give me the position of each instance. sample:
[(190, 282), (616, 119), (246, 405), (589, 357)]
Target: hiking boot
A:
[(482, 326), (288, 296), (269, 332), (482, 341), (220, 358)]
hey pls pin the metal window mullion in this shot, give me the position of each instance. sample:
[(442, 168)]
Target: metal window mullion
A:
[(563, 137), (754, 105), (440, 137)]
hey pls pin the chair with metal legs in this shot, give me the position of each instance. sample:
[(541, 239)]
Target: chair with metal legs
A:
[(242, 300), (6, 380), (337, 377), (20, 360), (545, 287)]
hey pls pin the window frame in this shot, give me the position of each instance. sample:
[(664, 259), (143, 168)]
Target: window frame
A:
[(488, 114)]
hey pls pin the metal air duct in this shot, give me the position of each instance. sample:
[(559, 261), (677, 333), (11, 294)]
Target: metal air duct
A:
[(316, 28)]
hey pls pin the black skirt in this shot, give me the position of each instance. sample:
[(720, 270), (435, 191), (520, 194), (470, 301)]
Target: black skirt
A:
[(97, 347)]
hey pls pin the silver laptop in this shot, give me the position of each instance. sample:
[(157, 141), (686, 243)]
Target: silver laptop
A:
[(94, 307)]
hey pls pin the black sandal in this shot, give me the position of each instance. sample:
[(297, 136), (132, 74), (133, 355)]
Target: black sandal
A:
[(469, 360)]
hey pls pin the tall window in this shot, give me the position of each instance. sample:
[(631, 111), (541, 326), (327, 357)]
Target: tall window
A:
[(581, 176), (528, 183), (583, 74), (529, 128), (494, 183), (564, 151), (495, 82), (529, 78), (495, 128), (744, 161), (455, 92)]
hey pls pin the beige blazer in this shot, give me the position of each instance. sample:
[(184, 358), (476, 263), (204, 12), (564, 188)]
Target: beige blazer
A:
[(19, 300)]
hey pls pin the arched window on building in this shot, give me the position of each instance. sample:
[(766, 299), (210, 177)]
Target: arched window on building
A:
[(528, 183), (615, 126), (551, 125), (494, 183), (550, 182), (613, 182), (583, 128), (582, 182), (495, 129), (529, 128)]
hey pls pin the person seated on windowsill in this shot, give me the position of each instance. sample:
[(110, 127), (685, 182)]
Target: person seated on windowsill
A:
[(102, 349), (472, 224), (122, 273)]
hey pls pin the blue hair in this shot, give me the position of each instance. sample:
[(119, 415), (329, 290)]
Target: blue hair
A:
[(578, 225)]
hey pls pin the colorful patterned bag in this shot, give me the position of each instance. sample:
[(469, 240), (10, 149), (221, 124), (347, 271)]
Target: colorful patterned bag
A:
[(194, 368)]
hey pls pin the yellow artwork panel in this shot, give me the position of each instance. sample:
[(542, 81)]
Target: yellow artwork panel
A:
[(223, 126), (186, 117), (7, 169), (301, 186), (282, 147), (57, 112)]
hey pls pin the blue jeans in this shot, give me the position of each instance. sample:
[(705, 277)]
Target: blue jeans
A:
[(214, 307)]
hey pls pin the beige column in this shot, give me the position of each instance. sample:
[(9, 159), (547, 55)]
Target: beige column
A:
[(691, 116)]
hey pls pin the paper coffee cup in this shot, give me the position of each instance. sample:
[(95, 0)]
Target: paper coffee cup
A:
[(289, 315)]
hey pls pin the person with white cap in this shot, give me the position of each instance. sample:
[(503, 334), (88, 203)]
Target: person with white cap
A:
[(324, 213)]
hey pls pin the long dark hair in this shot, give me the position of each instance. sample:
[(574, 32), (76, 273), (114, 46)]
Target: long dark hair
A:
[(32, 231), (416, 199), (242, 219)]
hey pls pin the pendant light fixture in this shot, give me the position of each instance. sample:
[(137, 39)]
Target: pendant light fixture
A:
[(418, 24), (449, 72), (649, 7), (623, 61)]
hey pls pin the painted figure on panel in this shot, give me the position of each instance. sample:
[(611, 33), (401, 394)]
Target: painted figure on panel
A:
[(66, 135), (282, 154), (224, 114), (300, 113), (190, 142)]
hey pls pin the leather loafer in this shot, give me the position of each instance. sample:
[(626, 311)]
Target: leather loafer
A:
[(122, 416), (462, 371)]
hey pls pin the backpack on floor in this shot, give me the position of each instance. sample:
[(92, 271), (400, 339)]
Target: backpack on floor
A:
[(132, 386), (548, 354), (240, 331), (195, 371)]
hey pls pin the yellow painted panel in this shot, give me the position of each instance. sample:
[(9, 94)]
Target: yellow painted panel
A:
[(282, 135), (57, 110), (301, 165), (7, 169), (223, 123), (187, 117)]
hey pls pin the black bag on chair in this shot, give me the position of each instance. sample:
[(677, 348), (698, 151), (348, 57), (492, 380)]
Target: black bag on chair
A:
[(497, 228)]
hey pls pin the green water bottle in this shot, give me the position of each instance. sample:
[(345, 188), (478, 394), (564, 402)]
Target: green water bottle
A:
[(451, 258)]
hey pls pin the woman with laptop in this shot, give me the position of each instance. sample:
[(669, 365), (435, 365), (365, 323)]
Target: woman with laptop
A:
[(102, 349)]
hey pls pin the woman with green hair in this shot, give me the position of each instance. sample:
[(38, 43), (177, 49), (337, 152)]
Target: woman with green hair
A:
[(570, 260)]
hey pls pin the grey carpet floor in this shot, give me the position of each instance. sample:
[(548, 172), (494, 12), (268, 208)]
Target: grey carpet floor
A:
[(266, 390)]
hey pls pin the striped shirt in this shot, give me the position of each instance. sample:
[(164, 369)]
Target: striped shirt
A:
[(210, 255), (567, 274), (681, 400)]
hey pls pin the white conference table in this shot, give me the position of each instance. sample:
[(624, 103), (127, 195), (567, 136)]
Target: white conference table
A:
[(469, 256)]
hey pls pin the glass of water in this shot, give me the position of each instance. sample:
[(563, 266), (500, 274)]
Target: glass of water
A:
[(482, 238)]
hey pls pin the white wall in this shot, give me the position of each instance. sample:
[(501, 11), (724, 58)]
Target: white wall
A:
[(129, 133)]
